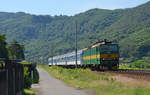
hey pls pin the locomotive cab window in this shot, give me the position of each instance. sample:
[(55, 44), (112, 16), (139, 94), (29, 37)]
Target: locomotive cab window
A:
[(113, 48), (104, 48), (109, 48)]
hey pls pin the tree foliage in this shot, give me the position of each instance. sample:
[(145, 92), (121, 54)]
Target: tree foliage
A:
[(27, 78), (3, 45), (16, 50), (42, 34)]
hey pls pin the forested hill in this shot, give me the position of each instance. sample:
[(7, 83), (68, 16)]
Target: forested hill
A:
[(43, 34)]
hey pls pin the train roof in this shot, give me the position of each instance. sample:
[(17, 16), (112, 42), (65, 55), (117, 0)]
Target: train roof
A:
[(104, 42), (66, 55)]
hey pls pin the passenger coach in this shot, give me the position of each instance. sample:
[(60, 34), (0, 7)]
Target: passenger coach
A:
[(66, 59)]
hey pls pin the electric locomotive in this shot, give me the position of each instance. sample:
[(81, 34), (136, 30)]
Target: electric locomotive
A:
[(101, 55)]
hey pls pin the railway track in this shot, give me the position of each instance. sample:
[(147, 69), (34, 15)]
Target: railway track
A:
[(136, 74), (133, 71)]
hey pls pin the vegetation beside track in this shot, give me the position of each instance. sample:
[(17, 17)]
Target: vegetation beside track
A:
[(101, 84), (137, 65)]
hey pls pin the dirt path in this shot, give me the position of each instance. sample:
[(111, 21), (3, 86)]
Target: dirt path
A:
[(51, 86)]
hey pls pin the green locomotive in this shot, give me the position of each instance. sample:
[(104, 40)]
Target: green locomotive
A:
[(101, 55)]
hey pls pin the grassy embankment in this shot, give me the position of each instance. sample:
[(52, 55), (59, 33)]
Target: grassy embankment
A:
[(100, 83), (137, 65)]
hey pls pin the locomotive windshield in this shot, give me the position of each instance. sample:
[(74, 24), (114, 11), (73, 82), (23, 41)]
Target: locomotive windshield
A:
[(109, 48), (113, 48)]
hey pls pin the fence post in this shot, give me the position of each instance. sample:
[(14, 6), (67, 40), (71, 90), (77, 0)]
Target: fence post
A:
[(14, 84), (7, 70), (32, 74), (6, 81), (22, 79)]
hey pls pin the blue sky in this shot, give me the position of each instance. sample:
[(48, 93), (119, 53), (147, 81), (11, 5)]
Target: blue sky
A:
[(64, 7)]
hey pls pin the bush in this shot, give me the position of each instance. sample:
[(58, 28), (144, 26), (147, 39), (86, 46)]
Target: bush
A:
[(140, 64), (35, 76), (27, 78)]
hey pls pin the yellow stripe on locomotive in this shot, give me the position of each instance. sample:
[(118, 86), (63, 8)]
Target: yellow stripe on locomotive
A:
[(102, 56)]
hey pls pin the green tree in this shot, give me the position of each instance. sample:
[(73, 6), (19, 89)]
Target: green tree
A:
[(16, 50), (3, 49)]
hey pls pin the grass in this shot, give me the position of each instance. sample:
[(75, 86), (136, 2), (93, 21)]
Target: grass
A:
[(101, 83), (137, 65), (25, 62), (29, 92), (126, 66), (1, 64), (133, 68)]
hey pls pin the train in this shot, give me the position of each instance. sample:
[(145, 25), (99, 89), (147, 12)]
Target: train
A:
[(100, 55)]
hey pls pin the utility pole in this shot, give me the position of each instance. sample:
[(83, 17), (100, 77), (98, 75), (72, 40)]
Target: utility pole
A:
[(118, 36), (41, 58), (76, 42), (52, 53)]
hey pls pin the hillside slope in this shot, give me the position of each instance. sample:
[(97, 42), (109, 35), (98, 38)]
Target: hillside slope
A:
[(43, 35)]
